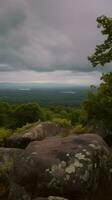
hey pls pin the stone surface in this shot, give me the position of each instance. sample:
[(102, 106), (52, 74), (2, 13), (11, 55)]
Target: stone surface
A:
[(17, 141), (43, 130), (73, 167), (38, 132)]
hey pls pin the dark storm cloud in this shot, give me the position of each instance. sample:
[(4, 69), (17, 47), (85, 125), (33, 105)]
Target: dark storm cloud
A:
[(49, 35)]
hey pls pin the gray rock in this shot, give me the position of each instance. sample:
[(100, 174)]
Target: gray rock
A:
[(36, 133), (75, 167), (43, 130), (17, 141)]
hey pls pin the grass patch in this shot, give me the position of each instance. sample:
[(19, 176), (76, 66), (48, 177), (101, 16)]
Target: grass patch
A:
[(62, 122), (4, 133), (26, 127), (79, 129)]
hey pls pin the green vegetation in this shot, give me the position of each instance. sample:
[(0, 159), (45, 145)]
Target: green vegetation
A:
[(26, 127), (98, 105), (69, 96), (5, 114), (63, 122), (103, 52), (17, 115), (79, 129), (27, 113), (4, 133), (18, 118)]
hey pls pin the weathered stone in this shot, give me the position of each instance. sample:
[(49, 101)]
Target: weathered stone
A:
[(75, 167), (43, 130), (17, 141), (38, 132)]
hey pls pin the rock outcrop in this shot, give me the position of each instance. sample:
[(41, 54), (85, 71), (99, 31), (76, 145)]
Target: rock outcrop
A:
[(74, 168), (38, 132)]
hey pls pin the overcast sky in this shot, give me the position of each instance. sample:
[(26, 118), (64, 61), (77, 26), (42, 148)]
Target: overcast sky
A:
[(49, 40)]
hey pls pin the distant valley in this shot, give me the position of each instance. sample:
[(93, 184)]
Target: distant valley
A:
[(44, 94)]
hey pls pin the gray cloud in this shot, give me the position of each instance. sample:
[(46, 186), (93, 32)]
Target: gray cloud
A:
[(68, 77), (49, 35), (11, 15)]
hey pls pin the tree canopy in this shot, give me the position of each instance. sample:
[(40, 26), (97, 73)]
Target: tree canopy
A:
[(27, 113), (98, 105), (103, 52)]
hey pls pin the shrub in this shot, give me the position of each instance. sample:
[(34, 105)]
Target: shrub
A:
[(62, 122), (27, 113), (4, 133), (79, 129), (26, 127)]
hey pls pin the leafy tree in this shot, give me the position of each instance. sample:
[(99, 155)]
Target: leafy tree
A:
[(27, 113), (98, 105), (78, 116), (5, 114), (103, 52)]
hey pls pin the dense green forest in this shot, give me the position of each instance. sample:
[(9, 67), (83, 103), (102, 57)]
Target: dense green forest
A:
[(70, 96), (14, 115)]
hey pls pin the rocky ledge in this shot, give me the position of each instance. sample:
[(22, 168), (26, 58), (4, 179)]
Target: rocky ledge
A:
[(56, 168)]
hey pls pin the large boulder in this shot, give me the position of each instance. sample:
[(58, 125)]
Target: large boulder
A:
[(38, 132), (43, 130), (74, 167), (17, 141)]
